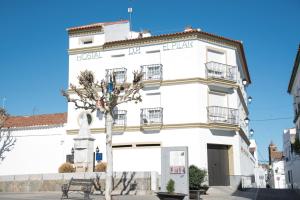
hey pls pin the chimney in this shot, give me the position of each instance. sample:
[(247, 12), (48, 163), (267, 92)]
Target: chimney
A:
[(188, 28)]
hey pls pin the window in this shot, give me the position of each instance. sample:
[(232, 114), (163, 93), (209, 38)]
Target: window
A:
[(86, 40), (151, 115), (154, 115), (119, 117), (120, 74), (152, 72), (216, 56)]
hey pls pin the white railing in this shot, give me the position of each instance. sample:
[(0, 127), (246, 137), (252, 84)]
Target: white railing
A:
[(151, 116), (152, 72), (217, 114), (221, 71)]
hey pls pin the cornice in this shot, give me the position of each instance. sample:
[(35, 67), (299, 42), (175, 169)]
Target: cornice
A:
[(244, 136), (85, 32), (218, 126), (85, 50), (239, 91)]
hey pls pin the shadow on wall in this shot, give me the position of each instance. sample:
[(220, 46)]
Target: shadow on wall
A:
[(126, 183), (223, 133)]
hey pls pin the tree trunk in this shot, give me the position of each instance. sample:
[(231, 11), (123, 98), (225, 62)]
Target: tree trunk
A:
[(109, 156)]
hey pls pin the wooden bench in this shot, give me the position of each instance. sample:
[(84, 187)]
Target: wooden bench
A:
[(80, 185)]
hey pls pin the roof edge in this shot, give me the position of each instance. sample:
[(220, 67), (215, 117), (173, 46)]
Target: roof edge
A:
[(94, 25), (294, 71)]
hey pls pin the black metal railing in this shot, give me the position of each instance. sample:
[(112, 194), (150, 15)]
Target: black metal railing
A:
[(151, 116), (221, 71), (120, 74), (217, 114), (152, 72), (120, 117)]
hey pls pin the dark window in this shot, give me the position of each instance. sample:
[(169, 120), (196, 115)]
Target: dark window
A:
[(88, 42)]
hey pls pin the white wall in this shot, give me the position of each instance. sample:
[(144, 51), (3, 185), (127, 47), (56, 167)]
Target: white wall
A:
[(278, 175), (37, 150)]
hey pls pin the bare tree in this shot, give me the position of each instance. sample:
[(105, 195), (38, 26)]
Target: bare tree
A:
[(105, 96), (7, 141)]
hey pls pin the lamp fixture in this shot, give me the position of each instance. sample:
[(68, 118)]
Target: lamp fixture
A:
[(251, 132), (244, 82), (97, 149), (247, 120), (249, 99)]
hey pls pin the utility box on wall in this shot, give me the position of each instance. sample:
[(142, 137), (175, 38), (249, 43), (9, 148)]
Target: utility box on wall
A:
[(175, 165)]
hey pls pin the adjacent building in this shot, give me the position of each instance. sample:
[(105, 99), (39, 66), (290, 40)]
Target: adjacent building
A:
[(291, 158), (276, 175), (289, 136), (194, 95)]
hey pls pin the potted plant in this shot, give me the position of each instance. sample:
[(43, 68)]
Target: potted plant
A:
[(196, 178), (170, 194)]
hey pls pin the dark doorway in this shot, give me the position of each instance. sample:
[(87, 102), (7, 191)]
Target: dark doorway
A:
[(218, 165)]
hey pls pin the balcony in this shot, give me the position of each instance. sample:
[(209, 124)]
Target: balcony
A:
[(120, 74), (223, 115), (151, 118), (221, 71)]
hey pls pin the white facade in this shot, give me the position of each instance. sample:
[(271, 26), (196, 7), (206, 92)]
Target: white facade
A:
[(195, 85), (193, 96), (290, 135)]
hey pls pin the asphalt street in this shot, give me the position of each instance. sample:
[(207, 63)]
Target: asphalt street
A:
[(252, 194)]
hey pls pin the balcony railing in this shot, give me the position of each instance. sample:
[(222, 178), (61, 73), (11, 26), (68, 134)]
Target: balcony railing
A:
[(119, 117), (120, 74), (225, 115), (152, 72), (220, 71), (151, 116)]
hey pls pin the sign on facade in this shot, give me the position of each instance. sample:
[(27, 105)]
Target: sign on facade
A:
[(174, 165), (177, 162)]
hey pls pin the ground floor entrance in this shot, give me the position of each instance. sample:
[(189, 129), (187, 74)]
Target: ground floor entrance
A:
[(218, 164)]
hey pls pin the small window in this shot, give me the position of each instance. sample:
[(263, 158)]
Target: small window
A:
[(147, 145), (122, 146), (86, 40)]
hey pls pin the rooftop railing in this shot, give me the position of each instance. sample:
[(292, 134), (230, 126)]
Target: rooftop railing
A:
[(221, 71), (217, 114)]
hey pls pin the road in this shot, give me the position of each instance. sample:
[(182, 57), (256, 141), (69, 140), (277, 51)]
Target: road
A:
[(252, 194)]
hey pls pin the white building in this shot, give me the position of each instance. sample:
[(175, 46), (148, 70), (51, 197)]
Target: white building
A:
[(277, 179), (293, 162), (194, 96), (260, 171)]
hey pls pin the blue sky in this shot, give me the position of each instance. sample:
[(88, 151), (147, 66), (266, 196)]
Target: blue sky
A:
[(34, 60)]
